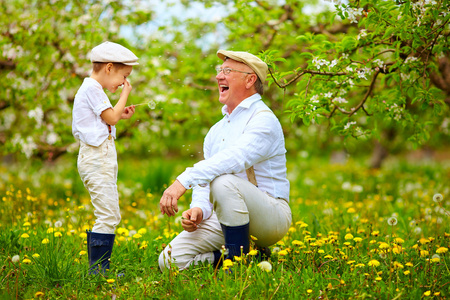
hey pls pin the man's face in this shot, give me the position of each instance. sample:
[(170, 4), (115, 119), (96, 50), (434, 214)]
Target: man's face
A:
[(232, 88), (117, 76)]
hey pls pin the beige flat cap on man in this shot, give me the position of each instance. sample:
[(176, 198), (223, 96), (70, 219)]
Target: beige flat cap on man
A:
[(114, 53), (254, 62)]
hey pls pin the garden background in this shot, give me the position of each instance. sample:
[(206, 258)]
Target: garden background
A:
[(362, 89)]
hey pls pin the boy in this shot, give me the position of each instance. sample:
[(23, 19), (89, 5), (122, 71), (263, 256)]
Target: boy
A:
[(93, 125)]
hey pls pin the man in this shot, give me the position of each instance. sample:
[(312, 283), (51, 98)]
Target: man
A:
[(247, 144)]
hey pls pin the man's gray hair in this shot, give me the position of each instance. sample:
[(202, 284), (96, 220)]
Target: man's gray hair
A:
[(259, 86)]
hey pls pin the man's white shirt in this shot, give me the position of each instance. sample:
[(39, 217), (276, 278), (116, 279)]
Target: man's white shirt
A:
[(250, 136)]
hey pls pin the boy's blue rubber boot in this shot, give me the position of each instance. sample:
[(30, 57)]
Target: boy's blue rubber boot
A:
[(235, 238), (99, 251)]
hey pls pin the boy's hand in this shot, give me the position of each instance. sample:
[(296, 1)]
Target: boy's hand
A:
[(126, 88), (128, 112)]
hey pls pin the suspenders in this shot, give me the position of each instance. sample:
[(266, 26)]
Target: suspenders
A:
[(251, 171)]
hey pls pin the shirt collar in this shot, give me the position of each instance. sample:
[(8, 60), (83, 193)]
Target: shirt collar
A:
[(94, 82), (246, 103)]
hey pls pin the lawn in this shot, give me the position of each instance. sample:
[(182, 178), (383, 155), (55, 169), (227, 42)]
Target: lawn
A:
[(356, 233)]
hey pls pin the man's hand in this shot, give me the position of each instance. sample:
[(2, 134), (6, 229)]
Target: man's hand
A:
[(191, 218), (168, 203), (128, 112)]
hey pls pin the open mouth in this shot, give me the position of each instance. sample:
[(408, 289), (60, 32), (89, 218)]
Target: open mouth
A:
[(223, 88)]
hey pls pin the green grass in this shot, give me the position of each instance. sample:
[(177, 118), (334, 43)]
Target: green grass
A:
[(340, 245)]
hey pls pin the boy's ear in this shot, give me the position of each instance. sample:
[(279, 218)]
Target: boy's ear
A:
[(108, 67)]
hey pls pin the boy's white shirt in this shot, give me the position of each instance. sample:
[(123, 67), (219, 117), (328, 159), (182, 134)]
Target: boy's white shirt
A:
[(87, 124)]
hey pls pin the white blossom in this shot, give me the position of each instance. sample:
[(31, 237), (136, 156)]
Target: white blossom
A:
[(410, 59), (315, 99), (328, 95), (37, 114), (347, 126), (339, 100), (52, 138), (362, 33)]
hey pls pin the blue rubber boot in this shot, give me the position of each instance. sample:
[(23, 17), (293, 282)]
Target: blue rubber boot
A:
[(235, 238), (99, 251)]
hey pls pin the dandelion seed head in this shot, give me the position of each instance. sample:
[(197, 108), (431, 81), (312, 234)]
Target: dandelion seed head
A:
[(392, 221), (438, 198)]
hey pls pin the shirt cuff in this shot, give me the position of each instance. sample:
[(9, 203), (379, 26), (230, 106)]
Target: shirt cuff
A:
[(185, 179)]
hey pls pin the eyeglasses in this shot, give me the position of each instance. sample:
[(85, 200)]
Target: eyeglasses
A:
[(227, 71)]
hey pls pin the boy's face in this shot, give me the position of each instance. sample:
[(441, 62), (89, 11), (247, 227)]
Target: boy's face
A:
[(116, 76)]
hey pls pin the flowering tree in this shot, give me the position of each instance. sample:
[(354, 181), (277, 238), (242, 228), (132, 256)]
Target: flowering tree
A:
[(384, 73), (369, 71)]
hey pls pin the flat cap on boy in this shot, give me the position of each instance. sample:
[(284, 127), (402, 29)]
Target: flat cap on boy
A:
[(114, 53), (255, 63)]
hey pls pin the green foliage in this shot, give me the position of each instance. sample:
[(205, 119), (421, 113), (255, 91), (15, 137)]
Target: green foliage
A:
[(367, 70)]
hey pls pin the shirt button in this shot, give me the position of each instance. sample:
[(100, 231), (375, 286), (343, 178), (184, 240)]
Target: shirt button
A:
[(223, 140), (228, 121), (190, 186)]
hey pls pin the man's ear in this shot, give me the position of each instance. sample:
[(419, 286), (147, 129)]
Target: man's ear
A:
[(250, 80)]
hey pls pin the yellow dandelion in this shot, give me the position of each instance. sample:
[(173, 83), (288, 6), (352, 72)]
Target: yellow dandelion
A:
[(435, 259), (137, 236), (407, 272), (384, 245), (309, 291), (359, 265), (297, 243), (254, 238), (437, 294), (38, 294), (283, 253), (24, 235), (427, 293), (357, 239), (227, 263), (58, 234), (375, 233), (424, 241), (373, 242), (424, 253), (50, 230), (26, 261), (320, 251), (409, 264), (442, 250), (82, 252), (399, 240), (253, 252), (142, 231), (45, 241), (110, 280), (36, 255), (292, 229), (26, 224), (397, 249), (348, 236), (398, 265), (351, 210), (378, 278), (374, 263), (328, 256)]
